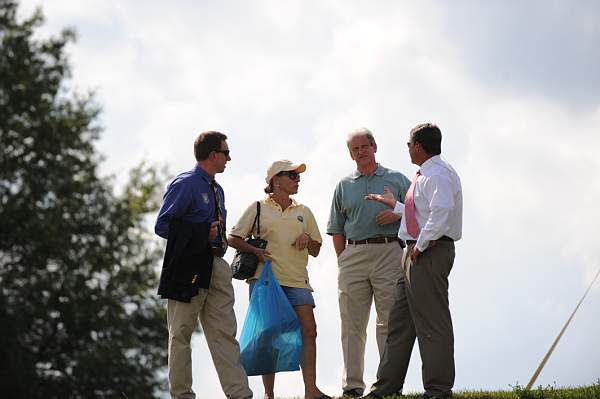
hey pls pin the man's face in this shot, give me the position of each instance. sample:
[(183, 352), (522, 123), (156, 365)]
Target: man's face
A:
[(362, 151), (222, 157), (414, 151)]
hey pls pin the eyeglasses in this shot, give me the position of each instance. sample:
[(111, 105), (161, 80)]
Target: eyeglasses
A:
[(224, 152), (292, 174)]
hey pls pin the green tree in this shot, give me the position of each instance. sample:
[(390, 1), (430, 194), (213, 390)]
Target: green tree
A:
[(79, 317)]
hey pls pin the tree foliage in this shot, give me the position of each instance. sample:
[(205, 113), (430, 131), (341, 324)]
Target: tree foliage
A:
[(78, 314)]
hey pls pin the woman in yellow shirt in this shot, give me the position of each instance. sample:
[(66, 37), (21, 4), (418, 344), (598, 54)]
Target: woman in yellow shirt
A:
[(292, 234)]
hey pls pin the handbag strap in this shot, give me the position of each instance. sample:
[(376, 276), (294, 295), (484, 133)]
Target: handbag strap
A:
[(256, 220)]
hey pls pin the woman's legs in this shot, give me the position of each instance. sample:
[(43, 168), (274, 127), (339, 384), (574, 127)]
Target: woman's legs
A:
[(309, 350), (269, 384)]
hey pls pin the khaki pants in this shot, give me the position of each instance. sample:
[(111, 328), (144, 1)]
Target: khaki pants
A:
[(421, 311), (214, 309), (366, 271)]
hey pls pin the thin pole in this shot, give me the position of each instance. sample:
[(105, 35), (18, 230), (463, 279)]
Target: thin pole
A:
[(543, 363)]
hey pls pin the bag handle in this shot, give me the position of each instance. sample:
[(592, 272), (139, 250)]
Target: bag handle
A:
[(256, 219), (268, 272)]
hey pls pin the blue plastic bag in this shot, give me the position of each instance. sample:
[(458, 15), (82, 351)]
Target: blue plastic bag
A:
[(271, 340)]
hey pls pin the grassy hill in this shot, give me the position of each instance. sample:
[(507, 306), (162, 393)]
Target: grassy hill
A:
[(518, 392)]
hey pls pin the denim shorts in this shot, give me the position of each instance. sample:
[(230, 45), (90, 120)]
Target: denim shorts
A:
[(296, 296)]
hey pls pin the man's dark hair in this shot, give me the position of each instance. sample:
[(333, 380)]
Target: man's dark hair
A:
[(429, 136), (206, 143)]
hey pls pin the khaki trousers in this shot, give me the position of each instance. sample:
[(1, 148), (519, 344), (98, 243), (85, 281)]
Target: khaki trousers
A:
[(214, 309), (421, 310), (366, 271)]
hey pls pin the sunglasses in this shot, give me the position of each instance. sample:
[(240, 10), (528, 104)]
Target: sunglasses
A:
[(224, 152), (292, 174)]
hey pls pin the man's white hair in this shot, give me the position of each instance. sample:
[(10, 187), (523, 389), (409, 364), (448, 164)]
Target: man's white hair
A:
[(361, 131)]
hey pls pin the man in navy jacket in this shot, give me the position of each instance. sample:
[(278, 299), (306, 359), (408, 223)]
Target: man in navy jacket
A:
[(195, 279)]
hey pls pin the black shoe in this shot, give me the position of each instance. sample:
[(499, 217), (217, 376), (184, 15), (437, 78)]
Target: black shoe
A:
[(447, 395), (352, 393)]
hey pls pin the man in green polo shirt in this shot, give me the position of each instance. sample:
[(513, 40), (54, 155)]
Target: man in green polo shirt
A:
[(368, 250)]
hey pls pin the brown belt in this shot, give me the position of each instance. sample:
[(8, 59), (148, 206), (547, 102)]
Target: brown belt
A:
[(375, 240)]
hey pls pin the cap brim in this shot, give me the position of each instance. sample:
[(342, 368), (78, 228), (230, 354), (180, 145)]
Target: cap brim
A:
[(299, 168)]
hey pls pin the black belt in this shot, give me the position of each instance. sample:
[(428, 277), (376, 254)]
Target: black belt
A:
[(375, 240), (442, 238)]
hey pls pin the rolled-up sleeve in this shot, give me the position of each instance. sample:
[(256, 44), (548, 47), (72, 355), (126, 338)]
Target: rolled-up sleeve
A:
[(399, 208)]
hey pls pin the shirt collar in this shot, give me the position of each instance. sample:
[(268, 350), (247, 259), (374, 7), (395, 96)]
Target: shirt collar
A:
[(269, 200), (379, 171), (202, 173), (430, 162)]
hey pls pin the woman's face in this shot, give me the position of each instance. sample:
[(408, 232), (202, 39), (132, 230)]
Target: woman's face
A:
[(287, 182)]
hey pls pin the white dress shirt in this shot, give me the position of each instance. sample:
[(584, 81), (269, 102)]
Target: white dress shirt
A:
[(438, 204)]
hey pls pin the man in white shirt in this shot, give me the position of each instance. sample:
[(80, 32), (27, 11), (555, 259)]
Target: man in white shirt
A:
[(432, 222)]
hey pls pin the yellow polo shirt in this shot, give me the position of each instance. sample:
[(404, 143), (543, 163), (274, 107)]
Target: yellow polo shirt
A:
[(281, 228)]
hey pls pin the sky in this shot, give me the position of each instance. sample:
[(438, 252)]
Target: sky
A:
[(513, 85)]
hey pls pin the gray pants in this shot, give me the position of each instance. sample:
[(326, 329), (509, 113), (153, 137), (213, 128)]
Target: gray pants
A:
[(421, 311)]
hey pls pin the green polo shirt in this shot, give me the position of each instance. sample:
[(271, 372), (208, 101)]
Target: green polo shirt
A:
[(352, 215)]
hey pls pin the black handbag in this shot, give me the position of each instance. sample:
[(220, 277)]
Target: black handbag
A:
[(244, 264)]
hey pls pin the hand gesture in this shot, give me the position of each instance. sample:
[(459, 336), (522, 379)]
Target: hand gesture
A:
[(386, 217), (214, 231), (302, 241), (386, 198)]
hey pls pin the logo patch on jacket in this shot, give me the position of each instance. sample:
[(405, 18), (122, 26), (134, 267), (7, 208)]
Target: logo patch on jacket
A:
[(300, 219), (205, 198)]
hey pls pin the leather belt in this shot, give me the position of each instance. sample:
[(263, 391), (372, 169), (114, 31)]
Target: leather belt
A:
[(442, 238), (375, 240)]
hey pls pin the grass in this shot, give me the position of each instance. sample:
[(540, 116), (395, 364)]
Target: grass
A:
[(518, 392)]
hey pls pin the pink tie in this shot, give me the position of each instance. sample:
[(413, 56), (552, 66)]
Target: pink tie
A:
[(409, 209)]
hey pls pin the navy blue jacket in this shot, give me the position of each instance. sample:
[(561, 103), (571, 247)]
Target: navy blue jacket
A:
[(188, 261)]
